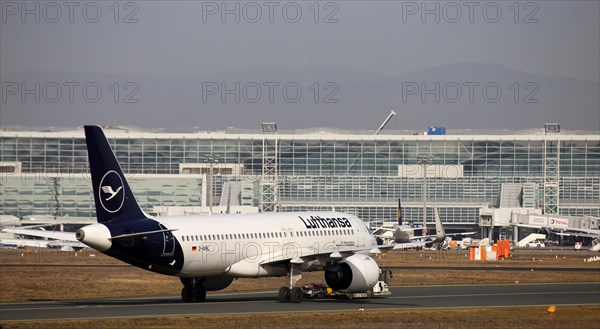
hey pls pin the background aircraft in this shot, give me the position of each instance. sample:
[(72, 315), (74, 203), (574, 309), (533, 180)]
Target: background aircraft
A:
[(402, 235)]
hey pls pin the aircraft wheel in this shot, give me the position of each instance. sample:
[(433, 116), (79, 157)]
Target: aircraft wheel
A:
[(284, 295), (187, 295), (296, 295), (186, 281), (199, 294)]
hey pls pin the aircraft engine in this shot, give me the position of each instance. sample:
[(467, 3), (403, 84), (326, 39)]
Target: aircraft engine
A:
[(401, 236), (357, 273), (210, 283), (214, 283)]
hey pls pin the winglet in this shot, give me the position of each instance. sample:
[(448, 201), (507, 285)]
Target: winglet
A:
[(113, 197)]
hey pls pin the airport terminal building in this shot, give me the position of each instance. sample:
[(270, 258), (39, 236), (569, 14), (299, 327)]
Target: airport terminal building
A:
[(45, 171)]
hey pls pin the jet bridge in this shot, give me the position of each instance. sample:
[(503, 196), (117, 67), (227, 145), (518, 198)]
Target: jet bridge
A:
[(515, 218)]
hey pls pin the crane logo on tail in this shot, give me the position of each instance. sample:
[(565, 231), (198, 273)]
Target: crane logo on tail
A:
[(111, 193), (109, 190)]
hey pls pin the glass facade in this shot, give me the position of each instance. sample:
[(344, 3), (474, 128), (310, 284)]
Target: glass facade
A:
[(71, 196), (351, 171)]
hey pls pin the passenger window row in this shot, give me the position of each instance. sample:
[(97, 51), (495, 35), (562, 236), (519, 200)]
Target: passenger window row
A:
[(269, 235)]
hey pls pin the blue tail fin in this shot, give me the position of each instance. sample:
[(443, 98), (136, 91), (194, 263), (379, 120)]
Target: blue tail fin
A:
[(113, 197), (400, 220)]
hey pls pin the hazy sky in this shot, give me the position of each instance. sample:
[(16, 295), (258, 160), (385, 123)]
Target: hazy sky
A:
[(180, 39), (550, 38)]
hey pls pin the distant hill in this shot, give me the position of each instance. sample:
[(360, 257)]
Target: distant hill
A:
[(363, 99)]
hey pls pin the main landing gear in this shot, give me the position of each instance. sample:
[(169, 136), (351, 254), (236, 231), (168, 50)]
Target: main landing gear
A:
[(193, 290), (291, 294)]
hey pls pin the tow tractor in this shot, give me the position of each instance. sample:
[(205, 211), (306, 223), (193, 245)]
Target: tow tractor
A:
[(321, 290), (382, 288)]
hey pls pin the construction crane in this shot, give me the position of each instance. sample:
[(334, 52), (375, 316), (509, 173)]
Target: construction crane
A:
[(385, 122)]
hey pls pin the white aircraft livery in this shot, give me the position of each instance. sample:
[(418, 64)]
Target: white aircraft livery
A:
[(208, 251)]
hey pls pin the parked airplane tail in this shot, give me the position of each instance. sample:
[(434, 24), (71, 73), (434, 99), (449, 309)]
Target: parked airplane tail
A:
[(440, 233), (113, 197), (400, 220)]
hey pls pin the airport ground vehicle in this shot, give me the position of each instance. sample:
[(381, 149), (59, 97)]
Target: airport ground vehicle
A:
[(533, 240), (316, 290), (595, 245), (320, 290)]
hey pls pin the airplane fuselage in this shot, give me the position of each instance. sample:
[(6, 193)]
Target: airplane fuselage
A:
[(235, 245), (207, 252)]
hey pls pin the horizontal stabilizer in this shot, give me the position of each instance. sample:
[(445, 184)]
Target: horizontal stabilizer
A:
[(133, 235)]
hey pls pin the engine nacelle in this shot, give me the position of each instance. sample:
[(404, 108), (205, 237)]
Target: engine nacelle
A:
[(210, 283), (214, 283), (357, 273), (96, 236)]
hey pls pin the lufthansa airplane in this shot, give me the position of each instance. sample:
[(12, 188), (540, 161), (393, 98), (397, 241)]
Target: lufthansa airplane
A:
[(208, 251)]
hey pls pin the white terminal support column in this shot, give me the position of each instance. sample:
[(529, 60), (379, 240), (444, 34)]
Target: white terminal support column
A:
[(270, 168), (211, 160), (424, 161), (551, 169)]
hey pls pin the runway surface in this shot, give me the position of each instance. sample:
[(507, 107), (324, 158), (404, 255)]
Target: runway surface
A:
[(255, 302), (395, 268)]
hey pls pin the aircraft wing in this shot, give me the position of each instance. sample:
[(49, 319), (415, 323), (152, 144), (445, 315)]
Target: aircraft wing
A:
[(37, 243), (418, 237), (389, 229), (62, 243), (303, 255), (62, 236), (462, 233), (578, 234), (409, 245), (24, 243), (58, 239)]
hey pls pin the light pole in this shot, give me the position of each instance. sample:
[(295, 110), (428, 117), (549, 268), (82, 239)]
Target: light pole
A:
[(210, 160), (424, 161)]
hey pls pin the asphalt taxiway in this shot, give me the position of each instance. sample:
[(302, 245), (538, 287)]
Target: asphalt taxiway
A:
[(256, 302)]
